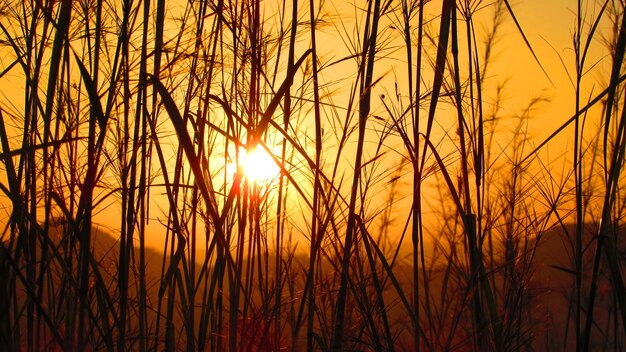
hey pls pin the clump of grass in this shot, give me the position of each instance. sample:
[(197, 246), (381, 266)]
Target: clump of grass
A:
[(128, 229)]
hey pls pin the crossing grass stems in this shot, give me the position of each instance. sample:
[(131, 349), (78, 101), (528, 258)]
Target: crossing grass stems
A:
[(125, 105)]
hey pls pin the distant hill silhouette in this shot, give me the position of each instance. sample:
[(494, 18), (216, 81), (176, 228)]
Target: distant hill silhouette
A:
[(553, 280), (548, 288)]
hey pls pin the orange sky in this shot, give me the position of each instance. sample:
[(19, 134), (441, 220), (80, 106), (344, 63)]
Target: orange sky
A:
[(549, 26)]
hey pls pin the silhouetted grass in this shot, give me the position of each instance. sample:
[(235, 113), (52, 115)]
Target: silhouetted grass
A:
[(418, 219)]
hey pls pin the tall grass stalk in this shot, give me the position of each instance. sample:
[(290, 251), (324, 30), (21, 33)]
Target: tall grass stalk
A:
[(365, 86)]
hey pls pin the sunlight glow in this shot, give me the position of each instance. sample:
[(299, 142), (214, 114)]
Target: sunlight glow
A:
[(257, 165)]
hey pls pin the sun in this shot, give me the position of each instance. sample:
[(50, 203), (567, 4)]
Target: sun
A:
[(257, 165)]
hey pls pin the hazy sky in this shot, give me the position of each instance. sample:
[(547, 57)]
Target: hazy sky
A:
[(549, 25)]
